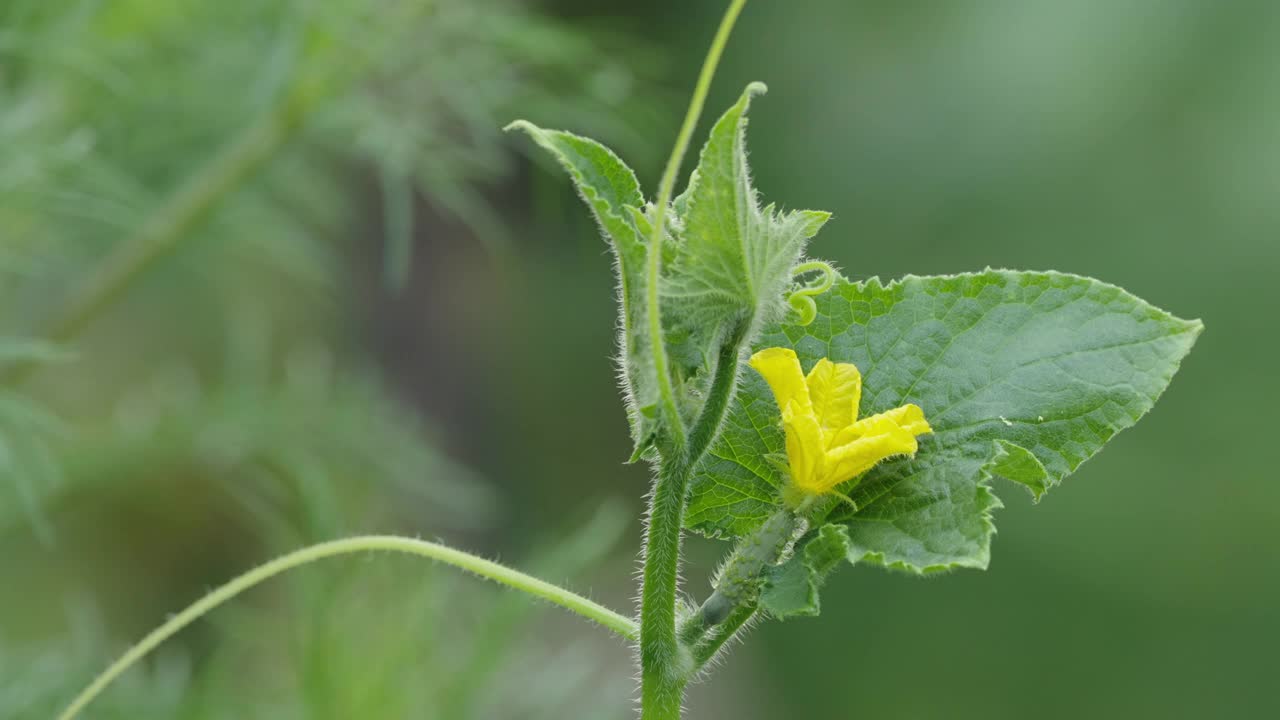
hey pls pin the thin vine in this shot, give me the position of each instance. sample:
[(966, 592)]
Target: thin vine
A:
[(514, 579)]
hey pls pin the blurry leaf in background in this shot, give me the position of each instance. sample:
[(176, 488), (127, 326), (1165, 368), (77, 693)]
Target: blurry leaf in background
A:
[(28, 470), (111, 108), (302, 444), (183, 189), (126, 113)]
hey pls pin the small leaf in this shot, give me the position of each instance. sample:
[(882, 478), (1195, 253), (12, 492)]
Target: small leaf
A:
[(607, 184), (792, 587), (734, 259), (1016, 463), (1021, 374), (612, 192)]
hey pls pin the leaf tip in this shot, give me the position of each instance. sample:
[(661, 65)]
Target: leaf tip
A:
[(814, 220), (521, 124), (1017, 464)]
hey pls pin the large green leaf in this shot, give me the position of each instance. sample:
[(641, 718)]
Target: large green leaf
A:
[(1021, 374)]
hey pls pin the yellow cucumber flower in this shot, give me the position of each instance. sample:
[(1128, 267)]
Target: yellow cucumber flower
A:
[(826, 442)]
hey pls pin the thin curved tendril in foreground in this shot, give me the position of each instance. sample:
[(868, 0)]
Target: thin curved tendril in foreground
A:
[(369, 543)]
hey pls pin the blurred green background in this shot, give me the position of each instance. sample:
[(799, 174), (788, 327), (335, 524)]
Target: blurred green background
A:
[(374, 312)]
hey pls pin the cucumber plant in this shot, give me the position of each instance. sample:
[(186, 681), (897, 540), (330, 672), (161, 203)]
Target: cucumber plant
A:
[(809, 420)]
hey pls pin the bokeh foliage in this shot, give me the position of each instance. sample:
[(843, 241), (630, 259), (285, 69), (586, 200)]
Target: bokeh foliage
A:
[(1129, 141), (216, 404)]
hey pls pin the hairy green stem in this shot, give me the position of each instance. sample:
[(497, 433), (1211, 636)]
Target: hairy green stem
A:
[(370, 543), (663, 670), (665, 664), (705, 650), (735, 598), (716, 406), (740, 580)]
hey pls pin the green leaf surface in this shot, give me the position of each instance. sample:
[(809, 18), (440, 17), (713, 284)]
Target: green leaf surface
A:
[(792, 587), (1021, 374)]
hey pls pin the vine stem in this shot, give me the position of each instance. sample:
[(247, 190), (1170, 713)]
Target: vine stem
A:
[(665, 664), (487, 569), (706, 649)]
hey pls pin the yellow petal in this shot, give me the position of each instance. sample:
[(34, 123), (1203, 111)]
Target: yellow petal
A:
[(835, 390), (910, 418), (859, 447), (781, 369), (849, 461), (826, 443), (805, 451)]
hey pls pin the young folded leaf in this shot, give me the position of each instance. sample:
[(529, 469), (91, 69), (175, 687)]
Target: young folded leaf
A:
[(734, 259), (726, 263)]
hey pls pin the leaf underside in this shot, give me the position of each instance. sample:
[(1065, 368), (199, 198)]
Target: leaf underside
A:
[(1023, 375)]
